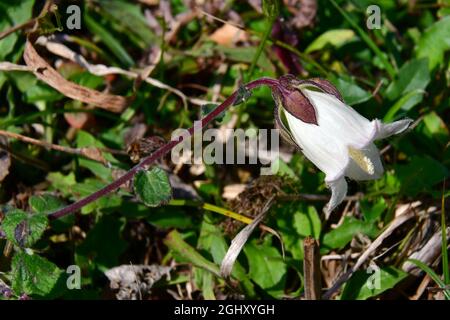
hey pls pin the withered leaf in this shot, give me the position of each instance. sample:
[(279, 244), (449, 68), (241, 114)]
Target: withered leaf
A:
[(93, 153), (46, 73)]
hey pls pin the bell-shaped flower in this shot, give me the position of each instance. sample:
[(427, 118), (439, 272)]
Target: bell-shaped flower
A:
[(336, 138)]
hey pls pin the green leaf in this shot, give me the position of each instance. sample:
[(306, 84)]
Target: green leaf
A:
[(175, 242), (90, 185), (61, 182), (420, 175), (351, 92), (153, 187), (246, 54), (13, 13), (281, 168), (45, 203), (103, 244), (342, 235), (24, 229), (336, 38), (267, 268), (295, 221), (413, 75), (405, 103), (85, 139), (435, 41), (33, 275), (364, 284), (132, 21), (436, 128), (373, 211), (307, 223)]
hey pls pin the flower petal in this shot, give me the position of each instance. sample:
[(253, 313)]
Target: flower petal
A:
[(364, 164), (385, 130), (338, 192), (339, 127), (327, 153)]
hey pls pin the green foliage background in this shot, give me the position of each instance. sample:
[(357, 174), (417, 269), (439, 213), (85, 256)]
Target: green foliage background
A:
[(401, 70)]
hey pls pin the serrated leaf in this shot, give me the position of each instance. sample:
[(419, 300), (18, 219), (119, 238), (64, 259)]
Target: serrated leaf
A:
[(24, 229), (153, 187), (45, 203), (33, 275)]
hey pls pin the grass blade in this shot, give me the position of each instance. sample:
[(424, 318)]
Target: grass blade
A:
[(432, 275), (445, 270)]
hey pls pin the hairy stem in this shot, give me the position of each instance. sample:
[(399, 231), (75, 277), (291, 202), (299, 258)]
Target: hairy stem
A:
[(158, 153)]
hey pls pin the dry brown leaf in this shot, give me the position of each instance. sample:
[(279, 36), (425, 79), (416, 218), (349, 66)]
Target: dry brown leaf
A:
[(79, 120), (93, 153), (46, 73), (227, 35)]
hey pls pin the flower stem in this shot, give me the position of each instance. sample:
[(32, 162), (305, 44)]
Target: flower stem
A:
[(158, 153)]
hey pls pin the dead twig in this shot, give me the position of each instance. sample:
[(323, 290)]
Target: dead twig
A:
[(92, 153), (311, 269)]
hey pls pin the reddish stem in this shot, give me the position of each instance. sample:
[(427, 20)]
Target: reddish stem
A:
[(158, 153)]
